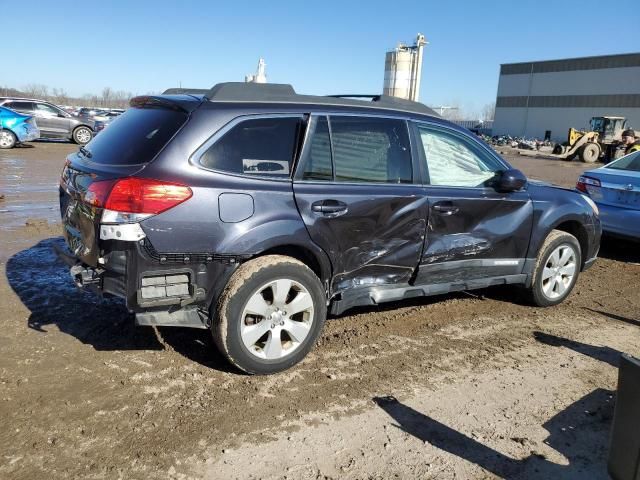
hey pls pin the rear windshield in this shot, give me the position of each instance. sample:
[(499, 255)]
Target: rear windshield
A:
[(630, 162), (136, 136)]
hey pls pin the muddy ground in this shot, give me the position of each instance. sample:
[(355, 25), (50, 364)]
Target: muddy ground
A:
[(474, 385)]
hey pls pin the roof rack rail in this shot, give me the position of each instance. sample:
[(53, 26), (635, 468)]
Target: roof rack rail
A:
[(236, 92), (357, 95), (386, 99)]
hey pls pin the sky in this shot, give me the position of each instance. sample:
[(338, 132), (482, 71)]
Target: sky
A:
[(320, 47)]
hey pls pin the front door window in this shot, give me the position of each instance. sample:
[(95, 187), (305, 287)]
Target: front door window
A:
[(452, 163), (44, 110)]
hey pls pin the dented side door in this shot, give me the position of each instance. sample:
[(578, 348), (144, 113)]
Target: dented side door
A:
[(372, 232), (473, 231), (474, 234)]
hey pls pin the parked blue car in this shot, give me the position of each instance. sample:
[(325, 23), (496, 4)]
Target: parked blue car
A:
[(615, 188), (16, 128)]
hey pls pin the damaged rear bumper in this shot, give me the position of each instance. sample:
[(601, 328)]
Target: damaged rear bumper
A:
[(158, 289)]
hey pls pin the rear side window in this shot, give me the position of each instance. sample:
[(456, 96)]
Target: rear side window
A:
[(369, 149), (136, 136), (630, 162), (257, 146), (23, 106)]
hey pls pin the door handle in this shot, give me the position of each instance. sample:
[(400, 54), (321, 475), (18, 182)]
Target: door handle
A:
[(445, 209), (329, 207)]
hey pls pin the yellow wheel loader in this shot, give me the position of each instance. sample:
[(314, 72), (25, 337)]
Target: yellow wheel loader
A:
[(602, 139)]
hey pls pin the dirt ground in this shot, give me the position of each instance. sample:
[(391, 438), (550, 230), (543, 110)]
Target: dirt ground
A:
[(472, 385)]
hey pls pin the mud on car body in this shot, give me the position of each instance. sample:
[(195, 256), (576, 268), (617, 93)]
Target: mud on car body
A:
[(252, 211)]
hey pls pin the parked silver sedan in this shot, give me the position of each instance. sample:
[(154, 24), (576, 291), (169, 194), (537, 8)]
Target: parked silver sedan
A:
[(615, 188)]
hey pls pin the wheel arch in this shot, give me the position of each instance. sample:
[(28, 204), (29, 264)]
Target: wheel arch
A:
[(578, 230), (315, 260), (562, 209)]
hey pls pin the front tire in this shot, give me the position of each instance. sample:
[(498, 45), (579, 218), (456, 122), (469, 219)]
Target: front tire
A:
[(590, 152), (7, 139), (269, 314), (556, 271), (82, 135)]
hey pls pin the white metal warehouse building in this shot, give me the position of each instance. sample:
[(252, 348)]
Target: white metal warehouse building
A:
[(536, 98)]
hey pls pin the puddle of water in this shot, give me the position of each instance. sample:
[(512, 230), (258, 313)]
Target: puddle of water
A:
[(12, 216), (17, 188)]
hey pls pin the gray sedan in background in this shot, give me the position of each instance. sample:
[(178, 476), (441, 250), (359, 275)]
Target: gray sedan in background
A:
[(53, 121)]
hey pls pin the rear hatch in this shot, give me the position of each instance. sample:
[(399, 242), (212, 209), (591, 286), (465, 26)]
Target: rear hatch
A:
[(132, 141), (619, 183)]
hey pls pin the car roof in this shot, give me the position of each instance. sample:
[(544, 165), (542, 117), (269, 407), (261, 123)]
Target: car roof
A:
[(22, 99), (274, 93)]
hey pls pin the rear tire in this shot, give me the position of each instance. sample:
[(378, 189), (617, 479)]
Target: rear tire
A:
[(590, 152), (269, 314), (7, 139), (82, 135), (556, 271)]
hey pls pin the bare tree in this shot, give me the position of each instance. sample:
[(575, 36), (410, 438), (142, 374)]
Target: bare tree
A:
[(121, 99), (36, 90), (60, 97), (109, 98), (488, 112), (107, 95)]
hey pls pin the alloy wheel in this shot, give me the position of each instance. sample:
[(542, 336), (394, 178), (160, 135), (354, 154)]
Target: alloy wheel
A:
[(6, 139), (83, 135), (559, 271), (277, 319)]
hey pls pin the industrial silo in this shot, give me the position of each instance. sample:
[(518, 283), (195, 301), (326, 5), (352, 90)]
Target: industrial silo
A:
[(260, 75), (402, 70)]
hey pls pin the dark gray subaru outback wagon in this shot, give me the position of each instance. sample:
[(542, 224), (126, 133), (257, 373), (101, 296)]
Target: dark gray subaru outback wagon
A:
[(251, 211)]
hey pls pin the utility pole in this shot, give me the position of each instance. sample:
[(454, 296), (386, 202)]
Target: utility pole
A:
[(444, 108)]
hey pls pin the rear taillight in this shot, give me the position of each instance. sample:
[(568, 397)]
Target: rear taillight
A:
[(136, 195), (584, 181), (145, 196), (98, 192)]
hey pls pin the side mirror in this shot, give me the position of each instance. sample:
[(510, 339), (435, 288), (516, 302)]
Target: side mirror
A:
[(511, 181)]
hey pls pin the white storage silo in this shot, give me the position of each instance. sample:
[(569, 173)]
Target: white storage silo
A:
[(260, 75), (402, 70)]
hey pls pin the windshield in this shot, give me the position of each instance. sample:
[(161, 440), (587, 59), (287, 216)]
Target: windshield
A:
[(597, 124), (630, 162), (136, 136)]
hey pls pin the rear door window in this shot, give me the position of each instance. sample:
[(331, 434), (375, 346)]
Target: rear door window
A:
[(370, 149), (136, 136), (263, 146), (20, 106), (630, 162)]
